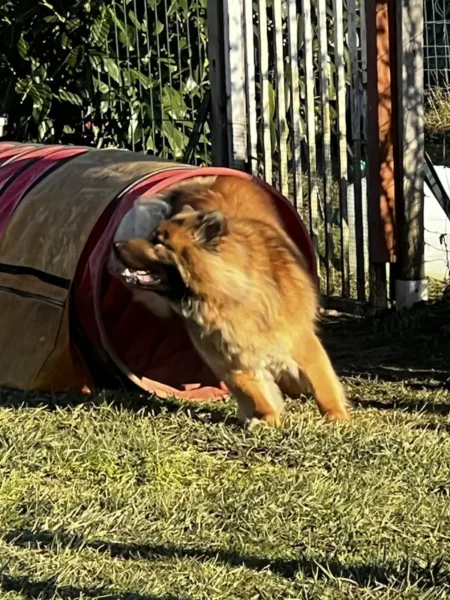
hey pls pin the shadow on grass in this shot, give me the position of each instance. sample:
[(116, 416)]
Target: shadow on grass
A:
[(205, 413), (438, 427), (411, 345), (47, 590), (413, 406), (366, 575), (120, 400)]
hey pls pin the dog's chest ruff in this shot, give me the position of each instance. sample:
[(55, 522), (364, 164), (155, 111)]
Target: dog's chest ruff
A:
[(220, 345)]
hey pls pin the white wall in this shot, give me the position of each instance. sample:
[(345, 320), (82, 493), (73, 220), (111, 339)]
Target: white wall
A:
[(437, 260)]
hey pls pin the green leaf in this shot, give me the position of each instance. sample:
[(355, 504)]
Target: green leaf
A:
[(42, 100), (173, 103), (158, 28), (142, 78), (73, 24), (42, 130), (95, 60), (126, 33), (100, 31), (65, 41), (134, 20), (176, 139), (126, 37), (71, 97), (271, 102), (76, 57), (112, 69), (101, 86), (23, 47)]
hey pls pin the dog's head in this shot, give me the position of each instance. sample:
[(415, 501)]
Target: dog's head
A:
[(163, 262)]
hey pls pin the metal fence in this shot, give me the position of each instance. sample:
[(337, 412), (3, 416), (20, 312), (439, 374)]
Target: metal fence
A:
[(295, 83), (160, 48), (127, 73), (296, 79), (437, 43)]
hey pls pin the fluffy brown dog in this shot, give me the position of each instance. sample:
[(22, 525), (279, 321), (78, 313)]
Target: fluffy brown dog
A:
[(247, 299)]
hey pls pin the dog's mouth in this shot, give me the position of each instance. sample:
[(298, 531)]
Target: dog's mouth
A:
[(164, 280), (146, 280), (161, 278)]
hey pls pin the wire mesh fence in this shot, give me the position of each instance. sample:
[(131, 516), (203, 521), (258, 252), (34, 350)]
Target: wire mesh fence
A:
[(437, 43)]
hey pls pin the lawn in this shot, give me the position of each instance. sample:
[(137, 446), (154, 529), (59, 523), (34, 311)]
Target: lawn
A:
[(124, 497)]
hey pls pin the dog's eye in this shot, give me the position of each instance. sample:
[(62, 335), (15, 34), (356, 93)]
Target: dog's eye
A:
[(163, 236), (159, 237)]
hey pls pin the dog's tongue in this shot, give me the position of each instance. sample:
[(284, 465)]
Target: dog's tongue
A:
[(144, 276)]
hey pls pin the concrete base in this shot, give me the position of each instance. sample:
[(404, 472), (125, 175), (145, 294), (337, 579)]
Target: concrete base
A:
[(408, 293)]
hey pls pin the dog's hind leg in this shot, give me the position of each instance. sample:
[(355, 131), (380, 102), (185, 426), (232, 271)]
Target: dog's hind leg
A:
[(313, 361)]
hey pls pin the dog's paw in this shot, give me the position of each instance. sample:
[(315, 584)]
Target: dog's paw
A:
[(338, 415), (272, 420)]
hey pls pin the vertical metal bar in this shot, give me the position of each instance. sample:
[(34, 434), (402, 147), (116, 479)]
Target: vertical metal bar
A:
[(108, 78), (138, 56), (150, 76), (235, 70), (158, 60), (326, 142), (216, 56), (295, 104), (116, 37), (280, 99), (364, 188), (132, 118), (265, 98), (191, 70), (250, 86), (180, 68), (311, 131), (355, 112), (200, 70), (342, 141)]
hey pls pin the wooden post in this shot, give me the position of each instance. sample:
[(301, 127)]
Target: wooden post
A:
[(381, 131), (411, 285), (234, 31), (216, 56)]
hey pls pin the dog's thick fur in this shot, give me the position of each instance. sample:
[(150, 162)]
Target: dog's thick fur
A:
[(245, 294)]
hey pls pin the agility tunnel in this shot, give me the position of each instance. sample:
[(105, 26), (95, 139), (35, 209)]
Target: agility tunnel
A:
[(65, 322)]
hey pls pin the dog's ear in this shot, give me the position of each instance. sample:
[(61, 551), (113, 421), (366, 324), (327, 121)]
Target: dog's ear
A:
[(210, 227), (186, 209)]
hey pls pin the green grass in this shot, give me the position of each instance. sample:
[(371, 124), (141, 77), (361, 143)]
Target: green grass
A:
[(128, 498)]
